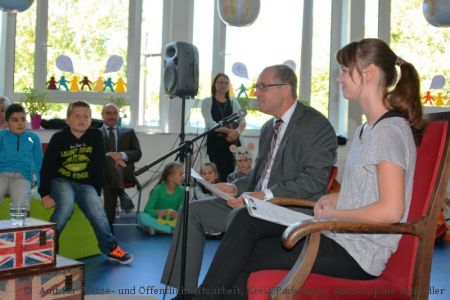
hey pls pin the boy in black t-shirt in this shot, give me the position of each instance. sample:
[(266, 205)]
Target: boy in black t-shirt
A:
[(72, 172)]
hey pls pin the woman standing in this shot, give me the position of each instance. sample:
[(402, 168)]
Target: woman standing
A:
[(215, 109)]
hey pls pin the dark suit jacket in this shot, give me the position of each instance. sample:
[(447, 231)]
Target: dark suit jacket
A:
[(128, 143), (304, 158)]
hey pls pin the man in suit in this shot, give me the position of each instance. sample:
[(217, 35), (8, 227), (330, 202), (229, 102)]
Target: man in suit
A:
[(122, 151), (296, 163)]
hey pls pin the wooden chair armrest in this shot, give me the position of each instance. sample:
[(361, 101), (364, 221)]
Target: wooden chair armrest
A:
[(299, 272), (282, 201), (311, 230), (299, 230)]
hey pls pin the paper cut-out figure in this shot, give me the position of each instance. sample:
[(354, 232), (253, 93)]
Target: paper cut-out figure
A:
[(231, 90), (242, 89), (108, 84), (428, 98), (74, 87), (252, 91), (51, 84), (62, 82), (98, 86), (120, 85), (439, 101), (85, 82)]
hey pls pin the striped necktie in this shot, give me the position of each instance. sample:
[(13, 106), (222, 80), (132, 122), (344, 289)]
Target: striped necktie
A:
[(111, 140), (276, 132)]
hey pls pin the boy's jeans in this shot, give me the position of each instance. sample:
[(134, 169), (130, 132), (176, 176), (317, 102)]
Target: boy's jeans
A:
[(17, 186), (65, 193)]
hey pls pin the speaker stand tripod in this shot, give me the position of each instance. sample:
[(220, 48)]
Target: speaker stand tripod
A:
[(180, 156), (185, 151)]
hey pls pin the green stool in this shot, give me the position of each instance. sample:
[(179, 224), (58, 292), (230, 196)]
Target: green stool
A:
[(77, 240)]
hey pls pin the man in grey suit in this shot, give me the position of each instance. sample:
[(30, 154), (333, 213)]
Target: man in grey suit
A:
[(296, 163), (122, 151)]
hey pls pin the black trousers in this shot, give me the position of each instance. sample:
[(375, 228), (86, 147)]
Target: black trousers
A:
[(218, 149), (251, 244), (112, 181)]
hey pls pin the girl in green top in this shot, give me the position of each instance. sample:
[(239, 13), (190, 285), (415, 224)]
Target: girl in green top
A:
[(160, 212)]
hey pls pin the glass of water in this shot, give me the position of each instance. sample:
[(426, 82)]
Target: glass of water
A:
[(18, 213)]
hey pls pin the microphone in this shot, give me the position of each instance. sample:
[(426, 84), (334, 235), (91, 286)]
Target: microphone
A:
[(236, 116)]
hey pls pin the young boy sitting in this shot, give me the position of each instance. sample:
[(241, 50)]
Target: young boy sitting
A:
[(20, 157), (72, 170)]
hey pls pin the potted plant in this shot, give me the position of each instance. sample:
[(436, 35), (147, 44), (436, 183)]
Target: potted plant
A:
[(36, 104)]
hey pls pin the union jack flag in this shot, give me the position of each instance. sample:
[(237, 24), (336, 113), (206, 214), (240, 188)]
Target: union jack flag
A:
[(25, 248), (58, 284)]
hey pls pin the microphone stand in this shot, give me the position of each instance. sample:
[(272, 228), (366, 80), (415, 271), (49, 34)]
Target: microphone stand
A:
[(186, 149)]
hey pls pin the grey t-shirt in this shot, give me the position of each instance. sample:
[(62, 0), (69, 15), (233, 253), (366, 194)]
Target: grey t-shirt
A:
[(389, 140)]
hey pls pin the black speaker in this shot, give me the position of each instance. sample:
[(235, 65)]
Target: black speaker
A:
[(181, 69)]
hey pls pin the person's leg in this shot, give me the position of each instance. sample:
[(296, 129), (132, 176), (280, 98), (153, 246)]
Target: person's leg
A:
[(237, 247), (3, 186), (143, 220), (269, 254), (111, 182), (228, 164), (88, 201), (110, 203), (64, 196), (20, 190), (220, 154), (204, 216), (113, 176), (151, 225)]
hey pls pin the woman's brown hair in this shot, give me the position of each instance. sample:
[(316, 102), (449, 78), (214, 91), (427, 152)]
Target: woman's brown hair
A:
[(402, 95)]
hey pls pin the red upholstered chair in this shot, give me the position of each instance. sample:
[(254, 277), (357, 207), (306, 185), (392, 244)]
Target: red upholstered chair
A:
[(332, 180), (407, 273)]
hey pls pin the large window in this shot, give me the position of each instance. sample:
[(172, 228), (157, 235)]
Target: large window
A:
[(371, 18), (203, 39), (137, 31), (422, 44), (24, 50), (78, 53), (86, 50), (150, 56), (274, 38), (320, 69)]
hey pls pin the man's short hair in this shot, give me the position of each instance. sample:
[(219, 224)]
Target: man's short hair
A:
[(78, 104), (285, 74), (108, 105), (13, 108)]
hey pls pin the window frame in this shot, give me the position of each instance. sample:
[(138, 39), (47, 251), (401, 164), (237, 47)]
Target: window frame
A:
[(40, 61), (346, 16)]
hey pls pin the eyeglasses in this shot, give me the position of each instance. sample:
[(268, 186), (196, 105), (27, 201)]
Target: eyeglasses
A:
[(263, 87), (222, 82)]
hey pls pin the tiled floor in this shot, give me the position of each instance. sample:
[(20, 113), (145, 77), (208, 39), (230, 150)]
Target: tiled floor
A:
[(142, 276)]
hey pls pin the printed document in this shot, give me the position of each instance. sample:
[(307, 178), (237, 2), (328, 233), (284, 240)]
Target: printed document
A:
[(274, 213), (210, 187)]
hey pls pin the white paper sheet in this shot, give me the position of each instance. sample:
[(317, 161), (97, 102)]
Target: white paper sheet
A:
[(274, 213), (211, 187)]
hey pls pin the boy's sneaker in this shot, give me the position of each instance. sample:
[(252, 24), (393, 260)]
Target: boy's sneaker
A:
[(119, 255)]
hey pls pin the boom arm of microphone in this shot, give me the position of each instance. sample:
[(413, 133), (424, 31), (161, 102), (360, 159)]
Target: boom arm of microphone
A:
[(238, 115)]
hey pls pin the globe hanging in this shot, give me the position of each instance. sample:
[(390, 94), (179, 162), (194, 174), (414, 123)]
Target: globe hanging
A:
[(15, 6), (238, 12)]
